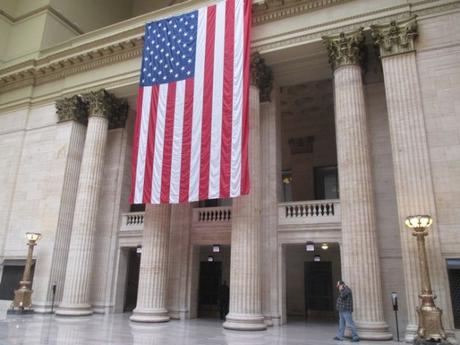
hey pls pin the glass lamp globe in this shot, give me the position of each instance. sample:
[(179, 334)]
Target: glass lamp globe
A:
[(423, 221), (33, 236)]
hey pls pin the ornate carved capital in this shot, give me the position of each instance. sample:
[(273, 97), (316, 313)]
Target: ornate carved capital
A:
[(261, 76), (345, 48), (396, 37), (104, 104), (120, 114), (100, 103), (72, 109)]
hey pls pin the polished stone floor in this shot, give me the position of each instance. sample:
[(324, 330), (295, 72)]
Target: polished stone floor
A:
[(116, 329)]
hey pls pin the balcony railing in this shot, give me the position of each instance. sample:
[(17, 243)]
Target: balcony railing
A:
[(132, 221), (289, 213), (212, 215), (309, 212)]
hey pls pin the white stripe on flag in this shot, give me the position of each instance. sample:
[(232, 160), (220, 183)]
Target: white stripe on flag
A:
[(159, 144), (238, 68), (177, 142), (197, 106), (142, 149), (217, 92)]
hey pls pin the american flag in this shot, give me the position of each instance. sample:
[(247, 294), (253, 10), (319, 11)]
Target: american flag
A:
[(191, 131)]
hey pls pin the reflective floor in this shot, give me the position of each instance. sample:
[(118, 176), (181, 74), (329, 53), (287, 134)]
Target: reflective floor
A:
[(116, 329)]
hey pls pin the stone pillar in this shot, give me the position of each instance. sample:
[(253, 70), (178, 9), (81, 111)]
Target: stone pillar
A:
[(360, 265), (179, 244), (76, 294), (73, 116), (245, 309), (270, 137), (153, 273), (411, 162)]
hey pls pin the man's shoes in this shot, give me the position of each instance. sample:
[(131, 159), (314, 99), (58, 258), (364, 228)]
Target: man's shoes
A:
[(355, 340), (338, 339)]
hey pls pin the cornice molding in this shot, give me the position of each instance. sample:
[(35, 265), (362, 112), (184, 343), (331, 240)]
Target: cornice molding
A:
[(69, 59), (272, 10)]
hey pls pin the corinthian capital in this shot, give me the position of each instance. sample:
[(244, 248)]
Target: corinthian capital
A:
[(100, 103), (345, 48), (396, 37), (71, 109), (261, 76)]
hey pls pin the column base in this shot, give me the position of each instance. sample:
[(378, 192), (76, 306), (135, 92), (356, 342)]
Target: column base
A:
[(244, 322), (373, 330), (150, 315), (411, 333), (74, 310)]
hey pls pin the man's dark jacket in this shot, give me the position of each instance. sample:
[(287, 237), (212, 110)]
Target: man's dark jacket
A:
[(345, 299)]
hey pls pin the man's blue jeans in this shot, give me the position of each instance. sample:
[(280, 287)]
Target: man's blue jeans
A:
[(345, 317)]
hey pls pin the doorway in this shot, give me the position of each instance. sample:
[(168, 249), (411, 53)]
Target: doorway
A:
[(453, 269), (309, 281), (132, 279), (214, 270)]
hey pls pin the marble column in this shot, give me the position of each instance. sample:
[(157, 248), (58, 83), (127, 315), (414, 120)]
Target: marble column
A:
[(245, 307), (360, 264), (270, 137), (411, 162), (72, 119), (153, 272), (179, 247), (76, 294)]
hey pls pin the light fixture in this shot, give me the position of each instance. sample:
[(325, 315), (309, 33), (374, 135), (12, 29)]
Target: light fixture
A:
[(287, 179), (139, 249), (216, 248), (415, 222), (317, 258), (310, 246), (210, 258), (324, 246), (33, 236)]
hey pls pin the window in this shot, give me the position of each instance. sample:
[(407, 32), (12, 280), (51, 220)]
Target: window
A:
[(11, 275), (326, 183)]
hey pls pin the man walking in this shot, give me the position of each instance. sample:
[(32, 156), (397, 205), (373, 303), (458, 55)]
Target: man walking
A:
[(345, 308)]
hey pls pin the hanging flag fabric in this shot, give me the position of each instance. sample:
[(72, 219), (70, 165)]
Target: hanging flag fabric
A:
[(191, 132)]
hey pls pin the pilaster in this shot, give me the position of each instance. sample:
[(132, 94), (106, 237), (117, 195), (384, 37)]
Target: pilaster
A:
[(360, 258), (411, 162)]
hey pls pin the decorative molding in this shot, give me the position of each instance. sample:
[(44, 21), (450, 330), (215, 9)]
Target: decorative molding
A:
[(72, 109), (395, 38), (261, 76), (345, 48), (272, 10)]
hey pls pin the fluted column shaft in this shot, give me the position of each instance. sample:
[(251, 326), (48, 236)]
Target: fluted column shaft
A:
[(413, 181), (245, 309), (359, 243), (153, 272), (76, 295)]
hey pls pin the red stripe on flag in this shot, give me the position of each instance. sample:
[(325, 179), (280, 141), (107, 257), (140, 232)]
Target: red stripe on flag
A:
[(137, 129), (207, 103), (227, 101), (147, 195), (246, 74), (168, 143), (186, 142)]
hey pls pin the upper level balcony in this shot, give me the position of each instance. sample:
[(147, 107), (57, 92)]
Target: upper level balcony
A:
[(293, 215)]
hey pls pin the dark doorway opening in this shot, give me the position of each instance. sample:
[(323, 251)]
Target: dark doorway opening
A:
[(318, 289), (453, 266), (132, 280), (208, 296), (11, 276)]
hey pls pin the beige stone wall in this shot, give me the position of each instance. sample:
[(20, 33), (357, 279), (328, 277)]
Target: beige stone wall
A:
[(307, 110), (438, 59)]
